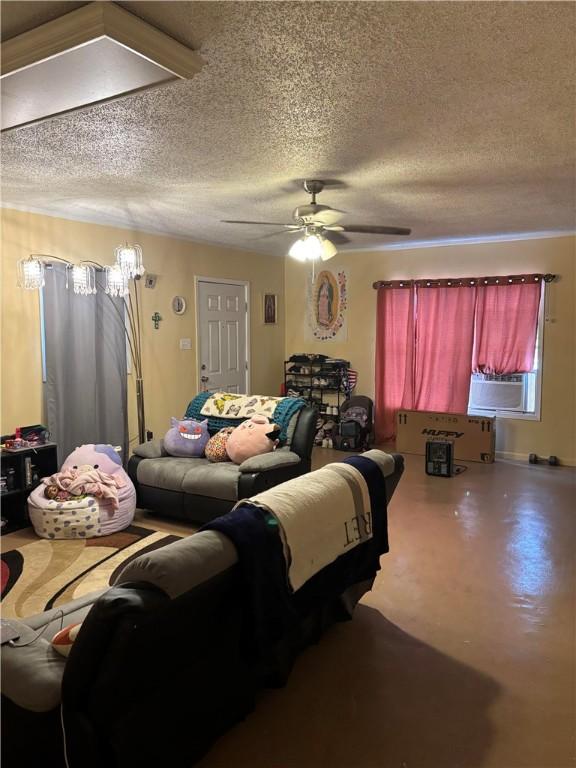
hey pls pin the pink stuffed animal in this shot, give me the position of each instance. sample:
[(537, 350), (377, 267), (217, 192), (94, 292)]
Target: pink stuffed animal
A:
[(253, 437)]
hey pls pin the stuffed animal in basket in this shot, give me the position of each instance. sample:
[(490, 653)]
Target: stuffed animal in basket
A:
[(90, 496), (251, 438), (187, 438)]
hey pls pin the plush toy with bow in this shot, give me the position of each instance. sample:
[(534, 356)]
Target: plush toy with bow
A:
[(252, 438)]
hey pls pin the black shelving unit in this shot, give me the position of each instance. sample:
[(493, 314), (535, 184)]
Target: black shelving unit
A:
[(315, 379), (23, 468)]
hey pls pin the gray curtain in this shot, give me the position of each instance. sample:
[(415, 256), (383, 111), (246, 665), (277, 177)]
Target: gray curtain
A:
[(85, 398)]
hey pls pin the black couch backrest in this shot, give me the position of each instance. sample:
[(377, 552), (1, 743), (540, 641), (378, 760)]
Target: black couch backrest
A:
[(303, 440), (152, 680)]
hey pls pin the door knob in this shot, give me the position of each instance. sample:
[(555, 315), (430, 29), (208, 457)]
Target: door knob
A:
[(204, 379)]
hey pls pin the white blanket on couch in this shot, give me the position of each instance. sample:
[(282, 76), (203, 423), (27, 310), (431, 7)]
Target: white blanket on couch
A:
[(321, 516)]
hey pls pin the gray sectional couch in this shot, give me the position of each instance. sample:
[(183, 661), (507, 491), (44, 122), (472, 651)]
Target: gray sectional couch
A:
[(163, 664), (198, 490)]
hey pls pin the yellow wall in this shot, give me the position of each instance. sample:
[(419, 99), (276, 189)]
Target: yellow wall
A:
[(555, 433), (170, 375)]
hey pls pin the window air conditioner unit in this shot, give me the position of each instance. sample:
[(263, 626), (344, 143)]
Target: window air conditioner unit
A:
[(505, 393)]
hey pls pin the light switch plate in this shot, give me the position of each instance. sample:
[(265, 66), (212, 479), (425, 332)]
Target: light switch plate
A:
[(185, 343)]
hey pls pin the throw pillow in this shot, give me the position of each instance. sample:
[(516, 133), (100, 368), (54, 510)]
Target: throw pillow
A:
[(63, 641), (186, 438), (253, 437), (216, 446)]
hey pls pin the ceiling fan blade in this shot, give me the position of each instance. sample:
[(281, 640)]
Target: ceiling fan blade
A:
[(327, 216), (336, 237), (277, 232), (374, 230), (266, 223)]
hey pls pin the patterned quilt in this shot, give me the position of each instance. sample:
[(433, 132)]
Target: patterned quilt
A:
[(232, 406), (225, 409)]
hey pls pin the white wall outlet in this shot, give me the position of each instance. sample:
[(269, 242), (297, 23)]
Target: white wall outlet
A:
[(185, 343), (150, 280)]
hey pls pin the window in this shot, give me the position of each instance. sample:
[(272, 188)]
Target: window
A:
[(514, 396)]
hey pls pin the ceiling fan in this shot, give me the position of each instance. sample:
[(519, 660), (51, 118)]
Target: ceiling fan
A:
[(319, 223)]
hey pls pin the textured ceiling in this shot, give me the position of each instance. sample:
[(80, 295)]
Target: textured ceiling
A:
[(456, 119)]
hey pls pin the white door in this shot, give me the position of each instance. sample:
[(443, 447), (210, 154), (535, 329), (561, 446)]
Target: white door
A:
[(222, 324)]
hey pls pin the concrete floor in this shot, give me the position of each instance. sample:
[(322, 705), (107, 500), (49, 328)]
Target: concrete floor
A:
[(463, 655)]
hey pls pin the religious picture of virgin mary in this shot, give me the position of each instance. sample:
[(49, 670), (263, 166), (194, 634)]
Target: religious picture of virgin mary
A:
[(327, 305), (325, 302), (326, 309)]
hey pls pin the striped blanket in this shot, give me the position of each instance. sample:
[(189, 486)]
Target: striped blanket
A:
[(281, 413)]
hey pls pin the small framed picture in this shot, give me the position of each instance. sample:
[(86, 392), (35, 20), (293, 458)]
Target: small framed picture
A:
[(270, 308)]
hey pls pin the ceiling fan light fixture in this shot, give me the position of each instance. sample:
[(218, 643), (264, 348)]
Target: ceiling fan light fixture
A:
[(311, 247), (328, 249), (297, 250)]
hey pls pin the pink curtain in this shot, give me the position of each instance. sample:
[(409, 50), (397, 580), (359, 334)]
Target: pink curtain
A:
[(506, 327), (443, 355), (394, 357)]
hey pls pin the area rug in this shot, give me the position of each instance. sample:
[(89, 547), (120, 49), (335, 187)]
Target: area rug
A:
[(42, 574)]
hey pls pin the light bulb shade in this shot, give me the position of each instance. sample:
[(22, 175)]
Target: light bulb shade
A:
[(30, 273), (328, 250), (83, 279), (116, 281), (298, 251), (129, 259), (312, 247)]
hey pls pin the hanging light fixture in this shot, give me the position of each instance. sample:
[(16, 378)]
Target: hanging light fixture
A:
[(312, 247), (83, 279), (116, 282), (31, 273), (129, 259)]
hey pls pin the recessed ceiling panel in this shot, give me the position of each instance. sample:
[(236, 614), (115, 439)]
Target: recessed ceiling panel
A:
[(94, 72)]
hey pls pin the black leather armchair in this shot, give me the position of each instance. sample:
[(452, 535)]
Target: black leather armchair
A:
[(195, 489)]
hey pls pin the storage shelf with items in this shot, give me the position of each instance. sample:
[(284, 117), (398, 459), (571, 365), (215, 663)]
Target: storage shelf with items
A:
[(22, 469), (324, 382)]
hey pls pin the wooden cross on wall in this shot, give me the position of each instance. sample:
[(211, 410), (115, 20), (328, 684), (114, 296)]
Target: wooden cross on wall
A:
[(156, 320)]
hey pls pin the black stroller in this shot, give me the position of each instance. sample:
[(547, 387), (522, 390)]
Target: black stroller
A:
[(356, 425)]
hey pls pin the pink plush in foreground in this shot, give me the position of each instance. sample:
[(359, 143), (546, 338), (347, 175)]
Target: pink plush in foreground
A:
[(251, 438)]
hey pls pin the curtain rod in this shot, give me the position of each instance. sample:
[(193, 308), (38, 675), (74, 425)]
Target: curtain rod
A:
[(455, 282)]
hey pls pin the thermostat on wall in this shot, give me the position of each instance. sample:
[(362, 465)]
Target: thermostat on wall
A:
[(179, 305)]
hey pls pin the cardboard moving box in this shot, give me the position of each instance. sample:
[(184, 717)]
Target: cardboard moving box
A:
[(473, 436)]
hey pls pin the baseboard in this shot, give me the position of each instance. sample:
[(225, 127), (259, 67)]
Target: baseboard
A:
[(524, 458)]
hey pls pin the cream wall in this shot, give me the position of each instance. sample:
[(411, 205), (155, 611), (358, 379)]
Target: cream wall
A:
[(555, 433), (170, 375)]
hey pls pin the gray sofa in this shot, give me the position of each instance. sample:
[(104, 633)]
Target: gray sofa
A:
[(198, 490), (163, 663)]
